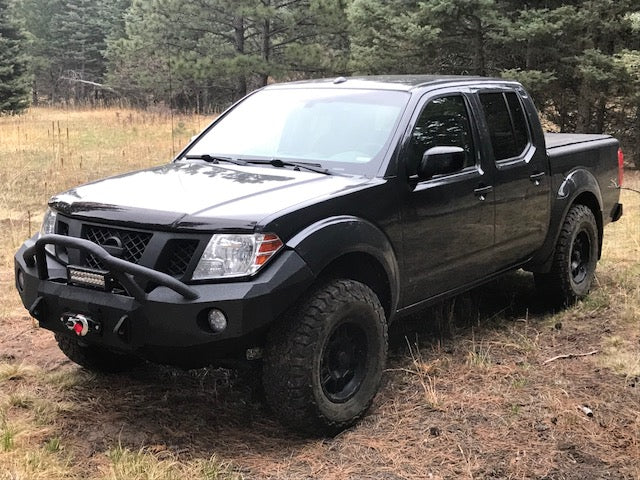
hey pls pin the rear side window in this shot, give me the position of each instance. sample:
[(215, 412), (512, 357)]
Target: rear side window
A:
[(507, 124)]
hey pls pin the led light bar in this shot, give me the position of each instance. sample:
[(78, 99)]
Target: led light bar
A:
[(86, 277)]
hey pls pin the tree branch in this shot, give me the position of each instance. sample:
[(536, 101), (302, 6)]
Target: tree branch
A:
[(569, 355)]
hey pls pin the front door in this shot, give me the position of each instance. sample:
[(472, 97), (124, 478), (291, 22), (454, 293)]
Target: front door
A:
[(448, 220)]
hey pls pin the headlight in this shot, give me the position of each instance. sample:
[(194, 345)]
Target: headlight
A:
[(48, 222), (236, 255), (49, 226)]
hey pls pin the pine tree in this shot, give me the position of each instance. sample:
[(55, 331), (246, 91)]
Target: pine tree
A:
[(68, 40), (206, 53), (466, 30), (386, 37), (429, 36), (14, 78)]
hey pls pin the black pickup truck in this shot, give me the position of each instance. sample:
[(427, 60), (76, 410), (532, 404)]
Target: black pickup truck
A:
[(305, 219)]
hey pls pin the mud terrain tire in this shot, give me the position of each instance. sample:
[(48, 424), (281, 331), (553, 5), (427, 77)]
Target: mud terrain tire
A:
[(323, 363), (95, 358), (574, 260)]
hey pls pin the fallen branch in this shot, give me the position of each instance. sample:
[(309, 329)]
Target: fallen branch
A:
[(569, 355), (87, 82)]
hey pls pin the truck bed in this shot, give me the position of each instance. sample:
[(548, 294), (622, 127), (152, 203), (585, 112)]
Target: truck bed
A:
[(557, 140), (596, 152)]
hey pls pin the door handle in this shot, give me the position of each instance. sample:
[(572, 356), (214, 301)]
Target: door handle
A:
[(537, 177), (481, 192)]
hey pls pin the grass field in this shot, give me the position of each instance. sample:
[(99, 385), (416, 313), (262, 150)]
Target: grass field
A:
[(469, 391)]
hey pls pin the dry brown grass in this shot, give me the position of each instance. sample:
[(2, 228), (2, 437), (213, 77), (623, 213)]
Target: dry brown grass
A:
[(46, 151), (470, 399)]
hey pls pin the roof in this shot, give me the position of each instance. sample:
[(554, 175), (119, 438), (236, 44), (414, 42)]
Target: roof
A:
[(389, 82)]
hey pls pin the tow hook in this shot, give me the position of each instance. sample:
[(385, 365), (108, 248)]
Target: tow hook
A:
[(80, 324)]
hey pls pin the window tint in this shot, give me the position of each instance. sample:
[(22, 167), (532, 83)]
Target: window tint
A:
[(507, 124), (444, 122), (520, 129)]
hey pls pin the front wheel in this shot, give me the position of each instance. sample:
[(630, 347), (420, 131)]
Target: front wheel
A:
[(574, 259), (324, 362), (95, 358)]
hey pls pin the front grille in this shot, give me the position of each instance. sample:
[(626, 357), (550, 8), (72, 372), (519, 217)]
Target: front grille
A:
[(133, 243), (62, 253), (93, 262), (178, 255), (63, 228)]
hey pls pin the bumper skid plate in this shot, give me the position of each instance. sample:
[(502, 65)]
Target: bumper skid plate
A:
[(167, 323)]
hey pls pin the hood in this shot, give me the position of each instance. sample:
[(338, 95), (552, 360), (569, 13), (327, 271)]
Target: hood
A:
[(198, 195)]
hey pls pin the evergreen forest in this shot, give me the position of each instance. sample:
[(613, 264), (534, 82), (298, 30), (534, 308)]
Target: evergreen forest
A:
[(580, 59)]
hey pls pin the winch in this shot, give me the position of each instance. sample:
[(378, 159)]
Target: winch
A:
[(80, 324)]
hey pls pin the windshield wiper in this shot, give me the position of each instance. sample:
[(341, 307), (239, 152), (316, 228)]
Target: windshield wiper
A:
[(276, 162), (215, 159)]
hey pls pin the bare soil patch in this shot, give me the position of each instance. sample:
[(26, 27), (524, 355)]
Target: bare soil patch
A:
[(476, 404)]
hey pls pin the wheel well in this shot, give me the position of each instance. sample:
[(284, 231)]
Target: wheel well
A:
[(590, 201), (363, 268)]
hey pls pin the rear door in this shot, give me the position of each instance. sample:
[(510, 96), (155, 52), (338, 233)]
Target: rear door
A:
[(448, 220), (521, 180)]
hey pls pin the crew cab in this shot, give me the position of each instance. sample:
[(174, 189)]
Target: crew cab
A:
[(309, 216)]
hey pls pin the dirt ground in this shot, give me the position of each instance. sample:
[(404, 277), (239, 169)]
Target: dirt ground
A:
[(469, 391), (481, 403), (473, 389)]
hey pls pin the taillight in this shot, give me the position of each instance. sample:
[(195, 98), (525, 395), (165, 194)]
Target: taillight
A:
[(620, 167)]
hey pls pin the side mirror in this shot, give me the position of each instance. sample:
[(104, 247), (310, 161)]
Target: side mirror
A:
[(440, 160)]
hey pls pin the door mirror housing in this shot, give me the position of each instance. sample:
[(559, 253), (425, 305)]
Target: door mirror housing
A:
[(441, 160)]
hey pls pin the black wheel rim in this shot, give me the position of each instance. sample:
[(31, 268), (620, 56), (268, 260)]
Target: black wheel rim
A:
[(580, 257), (342, 369)]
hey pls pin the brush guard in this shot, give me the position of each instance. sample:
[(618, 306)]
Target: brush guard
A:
[(121, 270)]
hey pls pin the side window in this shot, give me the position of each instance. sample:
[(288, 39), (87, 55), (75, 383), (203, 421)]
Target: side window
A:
[(520, 130), (507, 124), (444, 122)]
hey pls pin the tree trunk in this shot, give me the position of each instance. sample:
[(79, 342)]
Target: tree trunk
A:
[(239, 37), (266, 50), (480, 60), (583, 124), (562, 113), (601, 110), (266, 45), (53, 93), (34, 93)]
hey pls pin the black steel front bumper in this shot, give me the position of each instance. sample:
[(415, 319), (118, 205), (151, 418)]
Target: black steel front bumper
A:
[(168, 322)]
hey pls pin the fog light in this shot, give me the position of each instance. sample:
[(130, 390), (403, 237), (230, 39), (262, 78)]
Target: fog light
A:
[(217, 320), (20, 280)]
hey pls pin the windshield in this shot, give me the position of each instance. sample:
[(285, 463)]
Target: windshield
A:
[(343, 130)]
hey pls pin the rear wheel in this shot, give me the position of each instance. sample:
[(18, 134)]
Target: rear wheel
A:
[(324, 362), (574, 260), (95, 358)]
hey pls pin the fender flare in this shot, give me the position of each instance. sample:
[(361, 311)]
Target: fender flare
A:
[(575, 184), (322, 242)]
